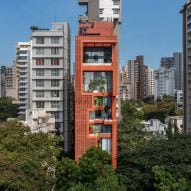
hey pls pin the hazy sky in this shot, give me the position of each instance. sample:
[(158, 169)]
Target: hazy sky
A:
[(152, 28)]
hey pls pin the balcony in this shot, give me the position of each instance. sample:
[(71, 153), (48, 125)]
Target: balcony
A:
[(97, 129), (97, 82), (97, 55)]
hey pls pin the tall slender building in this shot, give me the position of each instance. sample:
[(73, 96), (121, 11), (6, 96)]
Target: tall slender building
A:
[(96, 78), (23, 51), (50, 75), (186, 16)]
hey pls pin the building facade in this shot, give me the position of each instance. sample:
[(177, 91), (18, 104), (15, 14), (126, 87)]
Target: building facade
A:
[(174, 62), (23, 52), (50, 75), (3, 81), (186, 26), (164, 82)]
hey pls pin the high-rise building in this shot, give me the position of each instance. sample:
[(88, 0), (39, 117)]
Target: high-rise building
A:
[(11, 85), (137, 78), (174, 62), (186, 15), (96, 78), (150, 76), (50, 75), (164, 82), (3, 81), (23, 51)]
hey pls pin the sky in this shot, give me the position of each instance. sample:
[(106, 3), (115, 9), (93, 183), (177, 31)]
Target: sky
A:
[(152, 28)]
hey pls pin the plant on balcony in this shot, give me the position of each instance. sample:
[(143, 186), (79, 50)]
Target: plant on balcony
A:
[(97, 84), (95, 130)]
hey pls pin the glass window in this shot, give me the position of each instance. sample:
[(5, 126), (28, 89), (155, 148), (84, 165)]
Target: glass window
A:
[(54, 104), (106, 144), (55, 72), (39, 40), (55, 51), (54, 61), (116, 11), (97, 55), (55, 40), (39, 104), (39, 72), (55, 93), (55, 114), (54, 83), (39, 51), (39, 93), (39, 83), (97, 82), (39, 61)]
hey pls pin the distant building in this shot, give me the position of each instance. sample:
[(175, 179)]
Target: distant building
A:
[(39, 121), (150, 76), (3, 81), (12, 83), (176, 121), (155, 127), (164, 82), (174, 62)]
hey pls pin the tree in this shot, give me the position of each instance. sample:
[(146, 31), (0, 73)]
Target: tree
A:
[(137, 165), (27, 161), (7, 109)]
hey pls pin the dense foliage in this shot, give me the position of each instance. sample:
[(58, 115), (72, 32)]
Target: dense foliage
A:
[(7, 108), (151, 163)]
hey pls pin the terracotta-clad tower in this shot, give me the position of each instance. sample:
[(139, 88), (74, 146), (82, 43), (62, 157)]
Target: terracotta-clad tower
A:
[(96, 79)]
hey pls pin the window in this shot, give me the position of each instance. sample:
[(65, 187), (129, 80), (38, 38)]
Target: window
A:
[(40, 93), (39, 83), (54, 83), (106, 144), (39, 51), (54, 104), (54, 61), (55, 114), (39, 72), (116, 11), (55, 93), (39, 40), (55, 51), (55, 40), (55, 72), (116, 2), (101, 11), (39, 61), (39, 104)]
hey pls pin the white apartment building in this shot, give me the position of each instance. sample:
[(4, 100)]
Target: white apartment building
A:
[(164, 82), (50, 74), (23, 51)]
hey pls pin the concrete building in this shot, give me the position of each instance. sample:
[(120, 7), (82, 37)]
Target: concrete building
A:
[(175, 121), (50, 75), (164, 82), (155, 127), (186, 26), (11, 85), (3, 81), (137, 78), (101, 10), (174, 62), (40, 121), (23, 53), (150, 77)]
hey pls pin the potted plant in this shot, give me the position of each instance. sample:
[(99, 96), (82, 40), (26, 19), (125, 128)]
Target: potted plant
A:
[(95, 130)]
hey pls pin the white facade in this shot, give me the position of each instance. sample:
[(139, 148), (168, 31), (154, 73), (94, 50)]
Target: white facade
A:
[(164, 82), (155, 127), (39, 121), (50, 72), (23, 50), (109, 10), (177, 121)]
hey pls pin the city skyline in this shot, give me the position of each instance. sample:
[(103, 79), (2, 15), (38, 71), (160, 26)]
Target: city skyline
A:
[(160, 33)]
